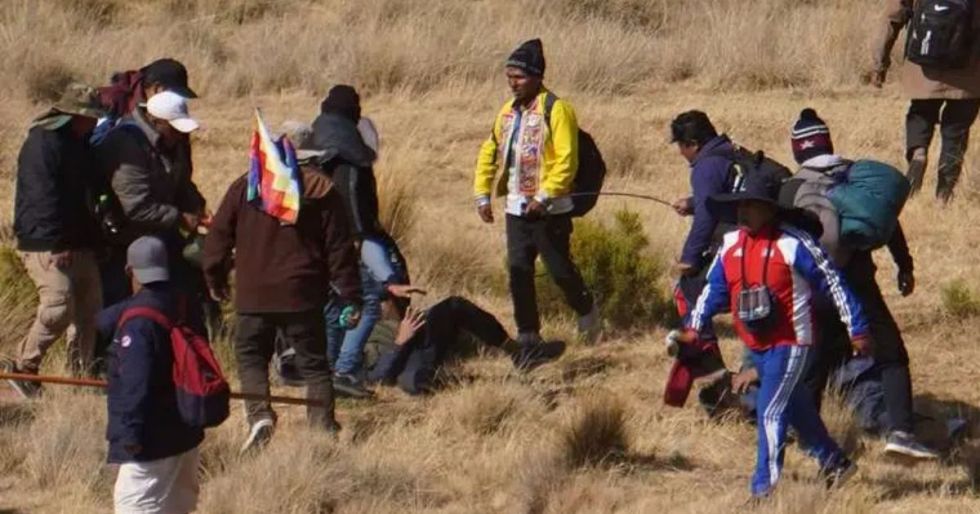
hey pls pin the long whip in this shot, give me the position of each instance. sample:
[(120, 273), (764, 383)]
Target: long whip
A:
[(91, 382), (627, 195)]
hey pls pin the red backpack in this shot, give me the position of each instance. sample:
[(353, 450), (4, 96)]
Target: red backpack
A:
[(203, 395)]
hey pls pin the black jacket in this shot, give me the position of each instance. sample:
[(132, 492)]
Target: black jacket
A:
[(54, 172), (141, 396), (350, 162)]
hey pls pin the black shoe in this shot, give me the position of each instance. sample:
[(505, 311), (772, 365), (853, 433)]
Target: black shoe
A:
[(904, 443), (837, 476), (27, 389), (350, 386), (532, 355)]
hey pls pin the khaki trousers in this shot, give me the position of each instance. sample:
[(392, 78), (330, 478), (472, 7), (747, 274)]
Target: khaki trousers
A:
[(68, 301)]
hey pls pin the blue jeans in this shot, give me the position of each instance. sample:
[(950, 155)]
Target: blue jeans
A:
[(345, 349), (380, 262)]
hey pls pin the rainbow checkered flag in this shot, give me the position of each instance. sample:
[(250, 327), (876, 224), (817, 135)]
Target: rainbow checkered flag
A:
[(273, 175)]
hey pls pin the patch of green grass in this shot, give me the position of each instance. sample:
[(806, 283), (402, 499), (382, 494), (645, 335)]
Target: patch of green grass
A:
[(959, 300)]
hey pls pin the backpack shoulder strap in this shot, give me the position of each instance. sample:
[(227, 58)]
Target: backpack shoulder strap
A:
[(549, 105), (145, 312)]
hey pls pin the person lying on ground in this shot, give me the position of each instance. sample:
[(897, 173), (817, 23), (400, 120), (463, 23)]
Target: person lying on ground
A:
[(413, 347)]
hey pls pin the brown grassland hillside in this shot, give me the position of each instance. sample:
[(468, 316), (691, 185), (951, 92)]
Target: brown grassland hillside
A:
[(588, 434)]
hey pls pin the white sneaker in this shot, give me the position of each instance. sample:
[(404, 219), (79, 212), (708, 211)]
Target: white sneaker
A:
[(590, 326), (258, 435)]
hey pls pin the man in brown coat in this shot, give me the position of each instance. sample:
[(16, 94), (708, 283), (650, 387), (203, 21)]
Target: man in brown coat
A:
[(943, 92), (284, 274)]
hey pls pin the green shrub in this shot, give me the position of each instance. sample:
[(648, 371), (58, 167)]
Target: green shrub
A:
[(617, 267), (959, 300)]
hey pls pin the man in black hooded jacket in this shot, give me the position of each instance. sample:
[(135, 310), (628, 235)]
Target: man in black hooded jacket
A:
[(335, 131), (349, 161)]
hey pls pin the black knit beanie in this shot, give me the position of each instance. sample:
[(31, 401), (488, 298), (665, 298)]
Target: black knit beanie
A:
[(528, 57), (343, 100)]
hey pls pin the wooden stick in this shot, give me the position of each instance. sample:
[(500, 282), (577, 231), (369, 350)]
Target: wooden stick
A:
[(91, 382)]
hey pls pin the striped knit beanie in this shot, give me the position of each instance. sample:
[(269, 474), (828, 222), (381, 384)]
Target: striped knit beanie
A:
[(810, 137)]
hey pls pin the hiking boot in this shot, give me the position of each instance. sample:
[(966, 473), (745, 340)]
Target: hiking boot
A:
[(917, 170), (350, 387), (837, 476), (590, 326), (27, 389), (259, 435), (904, 443), (534, 354)]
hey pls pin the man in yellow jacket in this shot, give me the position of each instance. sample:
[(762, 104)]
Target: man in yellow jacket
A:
[(532, 153)]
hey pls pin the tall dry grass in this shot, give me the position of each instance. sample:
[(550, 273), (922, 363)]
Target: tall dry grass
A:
[(496, 441)]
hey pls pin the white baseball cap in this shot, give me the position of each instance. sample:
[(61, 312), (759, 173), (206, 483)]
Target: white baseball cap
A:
[(172, 107)]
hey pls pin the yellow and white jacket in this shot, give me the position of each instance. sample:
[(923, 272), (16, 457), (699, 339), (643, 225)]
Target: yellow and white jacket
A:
[(535, 158)]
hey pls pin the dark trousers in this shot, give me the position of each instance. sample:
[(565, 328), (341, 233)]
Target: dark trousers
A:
[(548, 237), (439, 340), (954, 117), (889, 353), (832, 350), (255, 343)]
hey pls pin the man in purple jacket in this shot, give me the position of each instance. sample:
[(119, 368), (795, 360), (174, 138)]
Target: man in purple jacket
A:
[(711, 157)]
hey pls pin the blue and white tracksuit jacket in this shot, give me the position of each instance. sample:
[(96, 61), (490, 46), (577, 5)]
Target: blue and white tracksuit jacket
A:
[(797, 270)]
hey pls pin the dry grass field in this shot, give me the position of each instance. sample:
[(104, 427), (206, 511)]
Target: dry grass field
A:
[(588, 434)]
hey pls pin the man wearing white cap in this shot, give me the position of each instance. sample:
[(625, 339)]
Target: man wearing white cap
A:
[(147, 163)]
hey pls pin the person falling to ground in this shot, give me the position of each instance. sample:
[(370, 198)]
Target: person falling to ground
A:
[(767, 271), (412, 347), (536, 155), (284, 271), (57, 236)]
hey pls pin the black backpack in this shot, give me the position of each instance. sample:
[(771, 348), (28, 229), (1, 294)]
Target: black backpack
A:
[(591, 167), (940, 34), (747, 161)]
